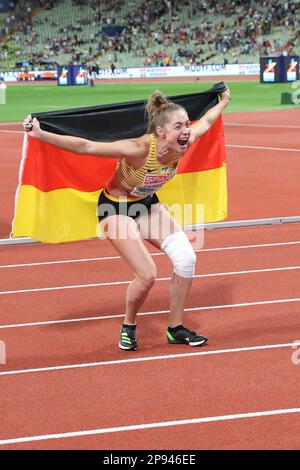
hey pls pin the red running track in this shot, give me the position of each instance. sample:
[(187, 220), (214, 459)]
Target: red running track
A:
[(257, 174), (65, 374), (91, 396)]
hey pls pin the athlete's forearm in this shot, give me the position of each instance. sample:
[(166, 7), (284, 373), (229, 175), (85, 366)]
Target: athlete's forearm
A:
[(116, 149), (212, 114), (205, 123), (65, 142)]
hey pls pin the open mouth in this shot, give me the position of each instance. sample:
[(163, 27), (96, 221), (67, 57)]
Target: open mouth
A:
[(183, 142)]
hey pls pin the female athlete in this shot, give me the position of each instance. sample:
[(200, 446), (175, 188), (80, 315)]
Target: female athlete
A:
[(129, 205)]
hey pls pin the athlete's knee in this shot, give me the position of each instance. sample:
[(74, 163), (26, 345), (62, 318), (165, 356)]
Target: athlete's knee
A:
[(148, 276), (178, 248)]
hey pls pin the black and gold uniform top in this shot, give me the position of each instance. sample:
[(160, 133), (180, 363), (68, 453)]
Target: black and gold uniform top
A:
[(150, 177)]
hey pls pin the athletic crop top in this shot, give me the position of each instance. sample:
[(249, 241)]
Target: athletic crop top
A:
[(150, 177)]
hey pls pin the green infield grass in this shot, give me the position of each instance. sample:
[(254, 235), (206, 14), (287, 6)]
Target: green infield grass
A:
[(40, 97)]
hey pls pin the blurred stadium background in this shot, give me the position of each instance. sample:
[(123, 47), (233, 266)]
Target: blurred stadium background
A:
[(136, 33), (157, 37)]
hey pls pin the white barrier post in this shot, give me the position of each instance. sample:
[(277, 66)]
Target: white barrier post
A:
[(2, 352), (2, 93), (296, 93)]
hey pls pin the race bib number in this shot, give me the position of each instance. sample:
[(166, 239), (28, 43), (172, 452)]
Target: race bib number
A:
[(151, 184)]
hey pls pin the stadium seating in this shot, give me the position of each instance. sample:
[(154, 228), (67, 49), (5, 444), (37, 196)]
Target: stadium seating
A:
[(190, 31)]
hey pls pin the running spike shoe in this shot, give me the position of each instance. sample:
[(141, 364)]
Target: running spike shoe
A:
[(128, 340), (183, 335)]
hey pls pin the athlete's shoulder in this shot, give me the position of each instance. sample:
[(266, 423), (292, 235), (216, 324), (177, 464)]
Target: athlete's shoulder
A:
[(140, 149), (144, 140)]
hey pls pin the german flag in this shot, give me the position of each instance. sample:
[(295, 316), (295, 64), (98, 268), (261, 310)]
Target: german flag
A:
[(56, 200)]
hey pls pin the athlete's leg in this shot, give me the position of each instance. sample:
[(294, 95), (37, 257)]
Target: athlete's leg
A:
[(156, 227), (123, 233)]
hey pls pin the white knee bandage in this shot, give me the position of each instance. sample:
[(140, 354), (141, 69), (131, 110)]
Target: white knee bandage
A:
[(181, 253)]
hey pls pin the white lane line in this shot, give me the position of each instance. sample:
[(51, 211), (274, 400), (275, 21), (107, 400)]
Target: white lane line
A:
[(280, 149), (149, 359), (158, 312), (11, 132), (10, 123), (109, 258), (78, 260), (271, 126), (116, 283), (160, 424)]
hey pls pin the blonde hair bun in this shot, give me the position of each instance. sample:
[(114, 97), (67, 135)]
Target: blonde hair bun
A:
[(157, 109)]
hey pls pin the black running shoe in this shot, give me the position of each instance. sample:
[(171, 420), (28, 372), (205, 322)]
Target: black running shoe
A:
[(182, 335), (128, 340)]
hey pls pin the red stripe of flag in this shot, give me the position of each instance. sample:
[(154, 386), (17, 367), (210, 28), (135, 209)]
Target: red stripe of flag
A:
[(48, 168)]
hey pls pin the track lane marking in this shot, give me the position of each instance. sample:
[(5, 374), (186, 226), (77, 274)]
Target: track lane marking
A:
[(10, 123), (160, 424), (275, 126), (149, 359), (158, 312), (279, 149), (111, 258), (11, 132), (161, 279)]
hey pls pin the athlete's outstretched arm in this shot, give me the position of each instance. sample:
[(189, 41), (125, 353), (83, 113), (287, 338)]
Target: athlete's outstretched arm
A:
[(117, 149), (200, 127)]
